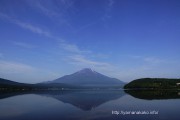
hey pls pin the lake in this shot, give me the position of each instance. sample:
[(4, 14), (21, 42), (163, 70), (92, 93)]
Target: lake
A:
[(90, 105)]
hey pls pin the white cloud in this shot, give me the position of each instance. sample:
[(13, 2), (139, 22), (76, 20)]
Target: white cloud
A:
[(105, 68), (72, 48), (57, 11), (27, 26), (108, 9), (84, 27), (82, 61), (100, 55), (14, 67), (149, 60), (111, 3), (24, 73), (78, 58), (24, 45), (1, 55), (32, 28), (134, 56), (153, 60), (44, 8)]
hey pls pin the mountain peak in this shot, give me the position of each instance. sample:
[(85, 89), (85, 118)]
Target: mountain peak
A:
[(86, 70)]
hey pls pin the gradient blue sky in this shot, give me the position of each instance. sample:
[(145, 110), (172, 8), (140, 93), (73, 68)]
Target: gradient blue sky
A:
[(42, 40)]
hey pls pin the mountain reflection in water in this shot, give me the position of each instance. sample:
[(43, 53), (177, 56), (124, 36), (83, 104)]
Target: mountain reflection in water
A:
[(85, 100), (88, 105)]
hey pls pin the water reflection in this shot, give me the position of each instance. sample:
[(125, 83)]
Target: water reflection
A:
[(88, 105), (86, 100), (154, 94), (4, 95)]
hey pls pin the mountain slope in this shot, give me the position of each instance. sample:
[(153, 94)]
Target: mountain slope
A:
[(87, 77), (9, 82), (14, 86)]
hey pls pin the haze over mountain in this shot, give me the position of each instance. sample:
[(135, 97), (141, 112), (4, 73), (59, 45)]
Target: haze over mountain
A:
[(87, 77), (83, 79)]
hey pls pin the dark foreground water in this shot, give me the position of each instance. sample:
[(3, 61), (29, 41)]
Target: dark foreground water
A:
[(90, 105)]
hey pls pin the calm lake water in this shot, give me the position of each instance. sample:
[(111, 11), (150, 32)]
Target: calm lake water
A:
[(90, 105)]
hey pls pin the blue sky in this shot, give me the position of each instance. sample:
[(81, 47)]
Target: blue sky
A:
[(42, 40)]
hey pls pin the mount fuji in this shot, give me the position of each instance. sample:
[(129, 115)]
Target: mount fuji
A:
[(88, 77)]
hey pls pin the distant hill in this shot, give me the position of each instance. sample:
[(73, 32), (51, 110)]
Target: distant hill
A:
[(88, 77), (8, 85), (8, 82), (154, 83), (11, 85), (15, 86)]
